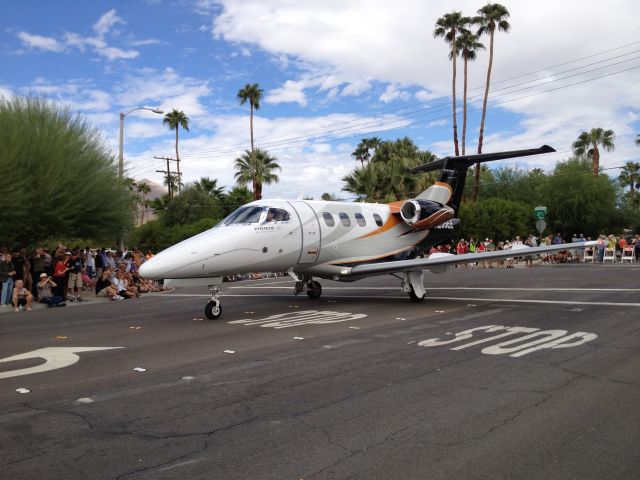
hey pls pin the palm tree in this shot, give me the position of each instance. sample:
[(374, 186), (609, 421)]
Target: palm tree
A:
[(175, 119), (251, 93), (587, 143), (143, 189), (256, 167), (210, 187), (172, 182), (467, 44), (362, 152), (490, 17), (448, 26), (630, 175)]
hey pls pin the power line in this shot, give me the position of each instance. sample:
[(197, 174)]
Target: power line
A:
[(410, 112)]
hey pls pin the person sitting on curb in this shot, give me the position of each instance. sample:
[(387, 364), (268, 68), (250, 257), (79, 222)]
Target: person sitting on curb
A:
[(120, 284), (104, 288), (45, 284), (22, 297)]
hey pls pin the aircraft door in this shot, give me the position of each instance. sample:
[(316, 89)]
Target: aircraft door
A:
[(310, 230)]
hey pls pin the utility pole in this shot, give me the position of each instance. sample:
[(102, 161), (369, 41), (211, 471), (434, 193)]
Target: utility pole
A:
[(168, 173)]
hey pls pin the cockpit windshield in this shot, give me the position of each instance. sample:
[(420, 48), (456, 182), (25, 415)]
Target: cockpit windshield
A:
[(243, 216), (249, 215)]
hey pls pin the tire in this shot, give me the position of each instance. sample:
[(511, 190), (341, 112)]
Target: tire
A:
[(213, 310), (415, 298), (314, 290)]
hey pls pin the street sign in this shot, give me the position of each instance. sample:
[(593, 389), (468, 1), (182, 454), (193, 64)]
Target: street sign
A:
[(540, 226), (540, 212)]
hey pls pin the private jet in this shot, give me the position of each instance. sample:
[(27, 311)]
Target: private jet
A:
[(342, 241)]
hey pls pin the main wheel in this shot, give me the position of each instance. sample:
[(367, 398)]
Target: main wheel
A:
[(415, 298), (314, 290), (213, 310)]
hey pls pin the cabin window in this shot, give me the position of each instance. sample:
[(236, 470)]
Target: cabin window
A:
[(360, 219), (328, 219), (378, 219), (277, 215), (344, 218), (244, 215)]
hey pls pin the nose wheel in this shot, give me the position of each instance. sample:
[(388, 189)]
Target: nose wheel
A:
[(213, 310), (307, 284)]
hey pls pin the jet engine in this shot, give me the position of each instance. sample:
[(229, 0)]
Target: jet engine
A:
[(422, 214)]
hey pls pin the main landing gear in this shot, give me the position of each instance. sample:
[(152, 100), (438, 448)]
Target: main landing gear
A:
[(213, 310), (309, 285), (413, 284)]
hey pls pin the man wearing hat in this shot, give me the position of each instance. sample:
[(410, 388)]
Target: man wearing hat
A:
[(45, 284)]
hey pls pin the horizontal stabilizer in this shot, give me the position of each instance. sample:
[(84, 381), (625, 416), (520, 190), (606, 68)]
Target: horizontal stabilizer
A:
[(468, 160)]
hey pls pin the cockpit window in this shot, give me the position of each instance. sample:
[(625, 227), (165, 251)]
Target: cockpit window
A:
[(244, 215), (277, 215)]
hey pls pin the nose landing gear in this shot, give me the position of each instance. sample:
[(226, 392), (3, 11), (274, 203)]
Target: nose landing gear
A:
[(213, 310), (309, 285), (413, 284)]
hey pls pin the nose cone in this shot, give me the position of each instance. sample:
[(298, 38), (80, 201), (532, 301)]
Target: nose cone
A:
[(153, 269)]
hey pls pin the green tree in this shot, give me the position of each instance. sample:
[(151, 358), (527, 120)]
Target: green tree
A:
[(190, 206), (448, 26), (579, 202), (237, 197), (210, 187), (386, 178), (251, 93), (496, 218), (587, 144), (258, 167), (630, 175), (362, 153), (59, 177), (175, 119), (467, 46)]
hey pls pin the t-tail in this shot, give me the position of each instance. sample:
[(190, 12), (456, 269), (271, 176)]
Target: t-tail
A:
[(441, 201)]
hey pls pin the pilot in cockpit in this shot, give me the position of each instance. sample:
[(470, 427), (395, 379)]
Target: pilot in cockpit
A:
[(276, 215)]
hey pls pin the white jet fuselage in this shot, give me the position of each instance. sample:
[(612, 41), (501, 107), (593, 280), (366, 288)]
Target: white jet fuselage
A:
[(312, 237)]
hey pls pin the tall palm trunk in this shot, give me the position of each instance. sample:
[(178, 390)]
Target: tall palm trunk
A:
[(464, 106), (596, 160), (256, 196), (453, 89), (177, 160), (476, 173), (486, 94)]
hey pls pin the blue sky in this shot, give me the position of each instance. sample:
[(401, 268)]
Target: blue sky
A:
[(333, 72)]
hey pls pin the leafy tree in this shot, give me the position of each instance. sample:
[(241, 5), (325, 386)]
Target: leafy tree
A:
[(59, 177), (386, 178), (210, 187), (587, 144), (237, 196), (362, 153), (579, 202), (175, 119), (630, 175), (330, 197), (143, 190), (490, 17), (513, 184), (190, 206), (448, 26), (258, 167), (496, 218)]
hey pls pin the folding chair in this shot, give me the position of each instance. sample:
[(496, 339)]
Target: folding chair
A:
[(609, 255), (628, 255), (589, 255)]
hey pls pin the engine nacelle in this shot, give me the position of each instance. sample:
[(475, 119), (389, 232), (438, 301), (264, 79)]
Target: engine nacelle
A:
[(421, 214)]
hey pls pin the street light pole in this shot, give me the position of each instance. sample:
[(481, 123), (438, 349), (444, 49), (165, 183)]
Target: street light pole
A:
[(121, 143)]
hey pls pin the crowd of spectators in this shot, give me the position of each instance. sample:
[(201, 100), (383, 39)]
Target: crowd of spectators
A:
[(64, 275), (616, 244)]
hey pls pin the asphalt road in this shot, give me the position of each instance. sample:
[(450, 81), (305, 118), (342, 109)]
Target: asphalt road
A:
[(360, 384)]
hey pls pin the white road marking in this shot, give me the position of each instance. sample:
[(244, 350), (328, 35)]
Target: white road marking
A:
[(22, 390), (84, 400), (55, 357), (305, 317), (428, 288), (229, 351), (139, 369), (398, 297), (514, 347)]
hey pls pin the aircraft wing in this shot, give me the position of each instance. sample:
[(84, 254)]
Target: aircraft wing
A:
[(443, 259)]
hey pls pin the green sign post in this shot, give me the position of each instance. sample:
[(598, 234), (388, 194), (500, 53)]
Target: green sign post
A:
[(540, 212)]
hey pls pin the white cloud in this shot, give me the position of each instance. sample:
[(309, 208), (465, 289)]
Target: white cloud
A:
[(392, 93), (6, 92), (106, 21), (291, 91), (39, 42), (147, 41), (425, 95), (355, 88), (114, 53)]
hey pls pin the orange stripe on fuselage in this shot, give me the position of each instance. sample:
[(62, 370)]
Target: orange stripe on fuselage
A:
[(391, 222)]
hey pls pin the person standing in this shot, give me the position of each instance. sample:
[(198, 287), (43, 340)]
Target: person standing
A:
[(7, 274), (37, 268), (90, 261), (59, 277)]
